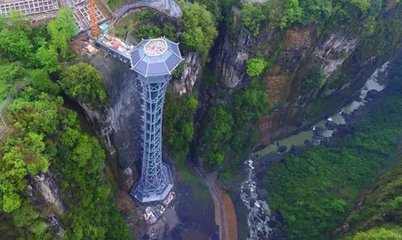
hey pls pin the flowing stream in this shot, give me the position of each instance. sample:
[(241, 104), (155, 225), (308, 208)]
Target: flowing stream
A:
[(259, 214)]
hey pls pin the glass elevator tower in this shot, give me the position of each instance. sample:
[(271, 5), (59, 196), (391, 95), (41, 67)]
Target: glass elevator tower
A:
[(154, 61)]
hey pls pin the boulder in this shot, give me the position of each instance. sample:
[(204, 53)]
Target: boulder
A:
[(282, 149), (371, 94), (331, 125), (295, 150)]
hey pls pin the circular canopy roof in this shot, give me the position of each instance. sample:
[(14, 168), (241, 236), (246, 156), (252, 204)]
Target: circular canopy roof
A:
[(155, 57)]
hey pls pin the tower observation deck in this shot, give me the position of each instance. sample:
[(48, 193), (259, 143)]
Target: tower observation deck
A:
[(153, 60)]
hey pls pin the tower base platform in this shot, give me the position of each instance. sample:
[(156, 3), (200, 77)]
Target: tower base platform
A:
[(143, 195)]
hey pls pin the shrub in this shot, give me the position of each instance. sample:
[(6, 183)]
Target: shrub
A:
[(255, 66)]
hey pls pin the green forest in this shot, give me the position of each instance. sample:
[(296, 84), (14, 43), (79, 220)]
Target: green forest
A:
[(37, 67), (315, 191), (351, 190)]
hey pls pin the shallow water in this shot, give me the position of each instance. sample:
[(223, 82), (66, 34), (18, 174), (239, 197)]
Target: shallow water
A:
[(373, 83)]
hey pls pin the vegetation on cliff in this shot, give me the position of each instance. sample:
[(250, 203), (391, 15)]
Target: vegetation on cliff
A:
[(82, 82), (255, 66), (196, 31), (44, 135), (40, 47), (178, 120), (283, 14), (232, 127), (216, 138), (305, 80)]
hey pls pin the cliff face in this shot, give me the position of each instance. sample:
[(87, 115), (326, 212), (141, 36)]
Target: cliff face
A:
[(337, 53), (299, 48), (192, 67), (294, 53), (45, 185), (43, 191), (231, 58), (117, 124)]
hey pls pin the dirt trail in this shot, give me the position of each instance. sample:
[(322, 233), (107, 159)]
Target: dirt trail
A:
[(225, 215)]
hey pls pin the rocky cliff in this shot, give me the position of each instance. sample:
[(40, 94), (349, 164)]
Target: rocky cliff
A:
[(341, 57), (192, 67), (293, 53), (44, 191), (49, 191)]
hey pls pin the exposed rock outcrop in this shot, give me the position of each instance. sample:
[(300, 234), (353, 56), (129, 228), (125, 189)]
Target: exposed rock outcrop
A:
[(54, 223), (45, 185), (231, 60), (192, 67), (293, 53), (334, 51)]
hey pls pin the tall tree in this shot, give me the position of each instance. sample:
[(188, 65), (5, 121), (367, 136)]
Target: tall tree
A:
[(82, 82), (47, 57), (14, 38), (61, 30), (199, 28)]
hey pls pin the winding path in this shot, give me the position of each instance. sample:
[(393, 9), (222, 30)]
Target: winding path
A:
[(169, 7)]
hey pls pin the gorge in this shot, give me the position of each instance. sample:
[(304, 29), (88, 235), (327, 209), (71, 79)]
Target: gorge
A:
[(260, 123)]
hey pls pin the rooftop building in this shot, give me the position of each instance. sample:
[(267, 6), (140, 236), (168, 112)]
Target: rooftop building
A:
[(28, 7)]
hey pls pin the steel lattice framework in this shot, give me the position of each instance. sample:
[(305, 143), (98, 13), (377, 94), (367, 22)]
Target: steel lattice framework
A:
[(153, 60)]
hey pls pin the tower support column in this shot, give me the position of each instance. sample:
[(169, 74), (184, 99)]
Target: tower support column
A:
[(156, 181), (154, 61)]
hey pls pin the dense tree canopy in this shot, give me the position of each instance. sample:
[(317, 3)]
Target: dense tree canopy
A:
[(15, 41), (178, 128), (250, 103), (310, 189), (362, 5), (379, 234), (328, 13), (216, 136), (49, 136), (37, 46), (252, 17), (82, 82), (44, 135), (61, 30), (199, 28), (313, 79)]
